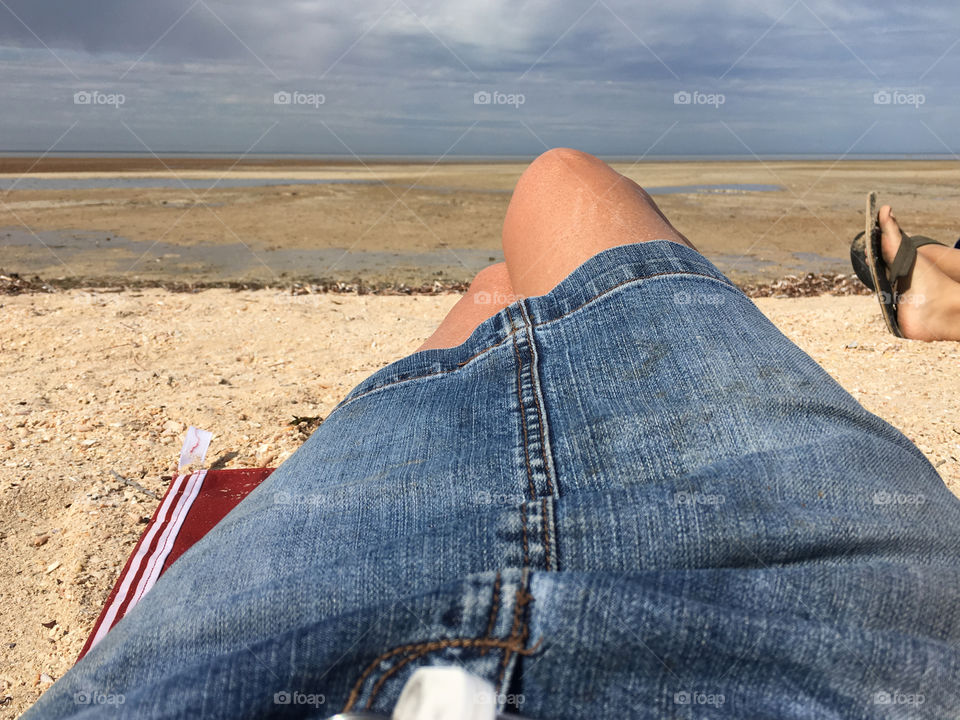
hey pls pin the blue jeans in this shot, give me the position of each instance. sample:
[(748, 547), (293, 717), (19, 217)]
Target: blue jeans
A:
[(630, 497)]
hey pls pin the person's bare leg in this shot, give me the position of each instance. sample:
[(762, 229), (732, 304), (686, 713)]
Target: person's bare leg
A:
[(928, 299), (567, 207), (945, 258), (489, 292)]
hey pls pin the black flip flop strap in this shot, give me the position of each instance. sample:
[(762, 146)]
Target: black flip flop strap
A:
[(906, 254)]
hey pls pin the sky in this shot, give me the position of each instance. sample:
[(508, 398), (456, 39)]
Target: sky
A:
[(497, 77)]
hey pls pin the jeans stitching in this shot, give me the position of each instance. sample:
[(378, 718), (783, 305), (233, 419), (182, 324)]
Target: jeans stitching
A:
[(535, 386), (544, 523), (726, 283), (516, 633), (494, 610), (523, 414), (463, 363), (425, 648), (513, 644), (523, 535)]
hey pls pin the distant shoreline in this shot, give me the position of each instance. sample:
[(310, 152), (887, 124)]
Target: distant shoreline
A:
[(37, 162)]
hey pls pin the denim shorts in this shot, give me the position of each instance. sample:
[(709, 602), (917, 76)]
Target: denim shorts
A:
[(629, 497)]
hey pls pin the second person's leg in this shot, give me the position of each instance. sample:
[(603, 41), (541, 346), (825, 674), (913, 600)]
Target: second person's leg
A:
[(489, 292)]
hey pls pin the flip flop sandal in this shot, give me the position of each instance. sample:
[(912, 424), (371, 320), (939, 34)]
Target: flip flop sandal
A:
[(868, 264)]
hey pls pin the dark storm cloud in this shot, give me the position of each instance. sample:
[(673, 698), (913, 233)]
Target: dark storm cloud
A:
[(704, 37), (110, 26)]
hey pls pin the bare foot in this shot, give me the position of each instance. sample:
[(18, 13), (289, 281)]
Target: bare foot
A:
[(928, 300), (944, 257)]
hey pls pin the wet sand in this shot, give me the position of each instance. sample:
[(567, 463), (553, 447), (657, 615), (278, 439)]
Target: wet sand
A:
[(416, 222)]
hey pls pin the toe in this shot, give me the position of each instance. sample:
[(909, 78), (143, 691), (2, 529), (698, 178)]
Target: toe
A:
[(890, 242)]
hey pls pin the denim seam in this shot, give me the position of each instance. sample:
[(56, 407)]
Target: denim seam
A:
[(539, 403), (517, 633), (523, 414), (545, 524), (513, 644), (378, 685), (473, 357), (494, 610), (523, 536), (463, 363), (531, 412), (354, 695), (544, 451), (725, 283), (417, 650)]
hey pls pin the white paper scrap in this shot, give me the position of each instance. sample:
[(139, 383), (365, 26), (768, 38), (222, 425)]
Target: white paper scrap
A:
[(195, 446)]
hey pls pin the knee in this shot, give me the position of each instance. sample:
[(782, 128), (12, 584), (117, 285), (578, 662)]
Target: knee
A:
[(560, 161), (492, 286), (564, 170), (559, 172), (491, 278)]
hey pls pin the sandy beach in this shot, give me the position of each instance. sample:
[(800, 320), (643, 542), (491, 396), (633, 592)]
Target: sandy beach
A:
[(106, 382), (417, 223)]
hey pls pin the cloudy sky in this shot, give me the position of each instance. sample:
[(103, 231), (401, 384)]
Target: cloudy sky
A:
[(462, 77)]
